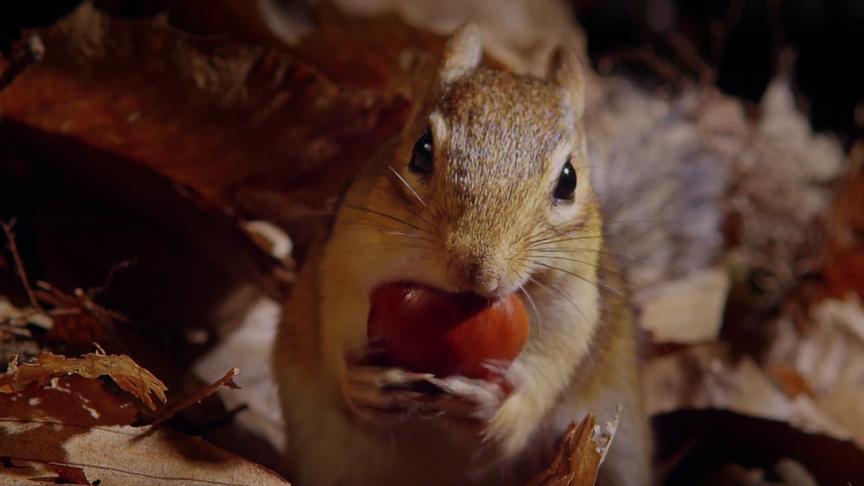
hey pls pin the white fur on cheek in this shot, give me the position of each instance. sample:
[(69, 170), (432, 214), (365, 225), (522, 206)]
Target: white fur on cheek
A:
[(440, 133)]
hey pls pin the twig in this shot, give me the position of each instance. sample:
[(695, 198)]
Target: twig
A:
[(19, 265), (227, 380), (116, 268)]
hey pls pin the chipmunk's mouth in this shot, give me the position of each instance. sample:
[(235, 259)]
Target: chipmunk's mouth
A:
[(426, 330)]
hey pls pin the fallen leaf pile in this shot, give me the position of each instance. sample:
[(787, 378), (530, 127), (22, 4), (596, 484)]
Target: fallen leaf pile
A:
[(173, 170)]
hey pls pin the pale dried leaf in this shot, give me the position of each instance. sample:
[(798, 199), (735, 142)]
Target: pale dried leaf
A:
[(704, 377), (829, 358), (127, 455), (15, 316), (688, 310)]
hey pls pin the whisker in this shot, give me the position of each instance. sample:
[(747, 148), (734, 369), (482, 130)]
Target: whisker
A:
[(598, 283), (560, 239), (407, 235), (530, 301), (546, 233), (387, 230), (388, 216), (534, 309), (411, 209), (561, 293), (583, 262), (398, 245), (416, 258), (587, 250), (410, 188)]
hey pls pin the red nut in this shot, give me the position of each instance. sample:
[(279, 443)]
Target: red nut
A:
[(430, 331)]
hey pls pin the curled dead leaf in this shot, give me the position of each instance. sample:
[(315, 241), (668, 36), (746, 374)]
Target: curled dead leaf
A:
[(580, 454), (120, 368)]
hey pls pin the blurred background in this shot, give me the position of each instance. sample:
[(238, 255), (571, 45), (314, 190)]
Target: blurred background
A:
[(174, 159), (738, 45)]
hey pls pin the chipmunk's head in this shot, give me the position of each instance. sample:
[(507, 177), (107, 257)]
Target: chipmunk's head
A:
[(494, 169)]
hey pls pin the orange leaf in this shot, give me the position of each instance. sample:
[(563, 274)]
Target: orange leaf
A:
[(580, 454)]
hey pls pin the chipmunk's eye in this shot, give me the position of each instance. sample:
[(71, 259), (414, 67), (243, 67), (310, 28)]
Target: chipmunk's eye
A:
[(421, 156), (566, 183)]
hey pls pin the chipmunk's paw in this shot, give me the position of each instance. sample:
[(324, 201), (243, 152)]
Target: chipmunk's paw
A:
[(393, 395)]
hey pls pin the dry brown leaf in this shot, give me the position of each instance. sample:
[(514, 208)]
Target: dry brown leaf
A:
[(72, 400), (120, 368), (40, 473), (244, 126), (70, 474), (126, 455), (580, 454)]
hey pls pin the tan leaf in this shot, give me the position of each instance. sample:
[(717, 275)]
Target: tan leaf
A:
[(120, 368), (126, 455), (688, 310)]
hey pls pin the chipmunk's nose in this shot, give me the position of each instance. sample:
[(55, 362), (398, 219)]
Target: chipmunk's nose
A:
[(474, 272)]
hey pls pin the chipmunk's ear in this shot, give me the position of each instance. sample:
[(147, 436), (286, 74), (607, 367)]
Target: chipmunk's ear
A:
[(462, 54), (565, 70)]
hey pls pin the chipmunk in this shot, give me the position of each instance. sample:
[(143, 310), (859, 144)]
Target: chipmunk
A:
[(486, 190)]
